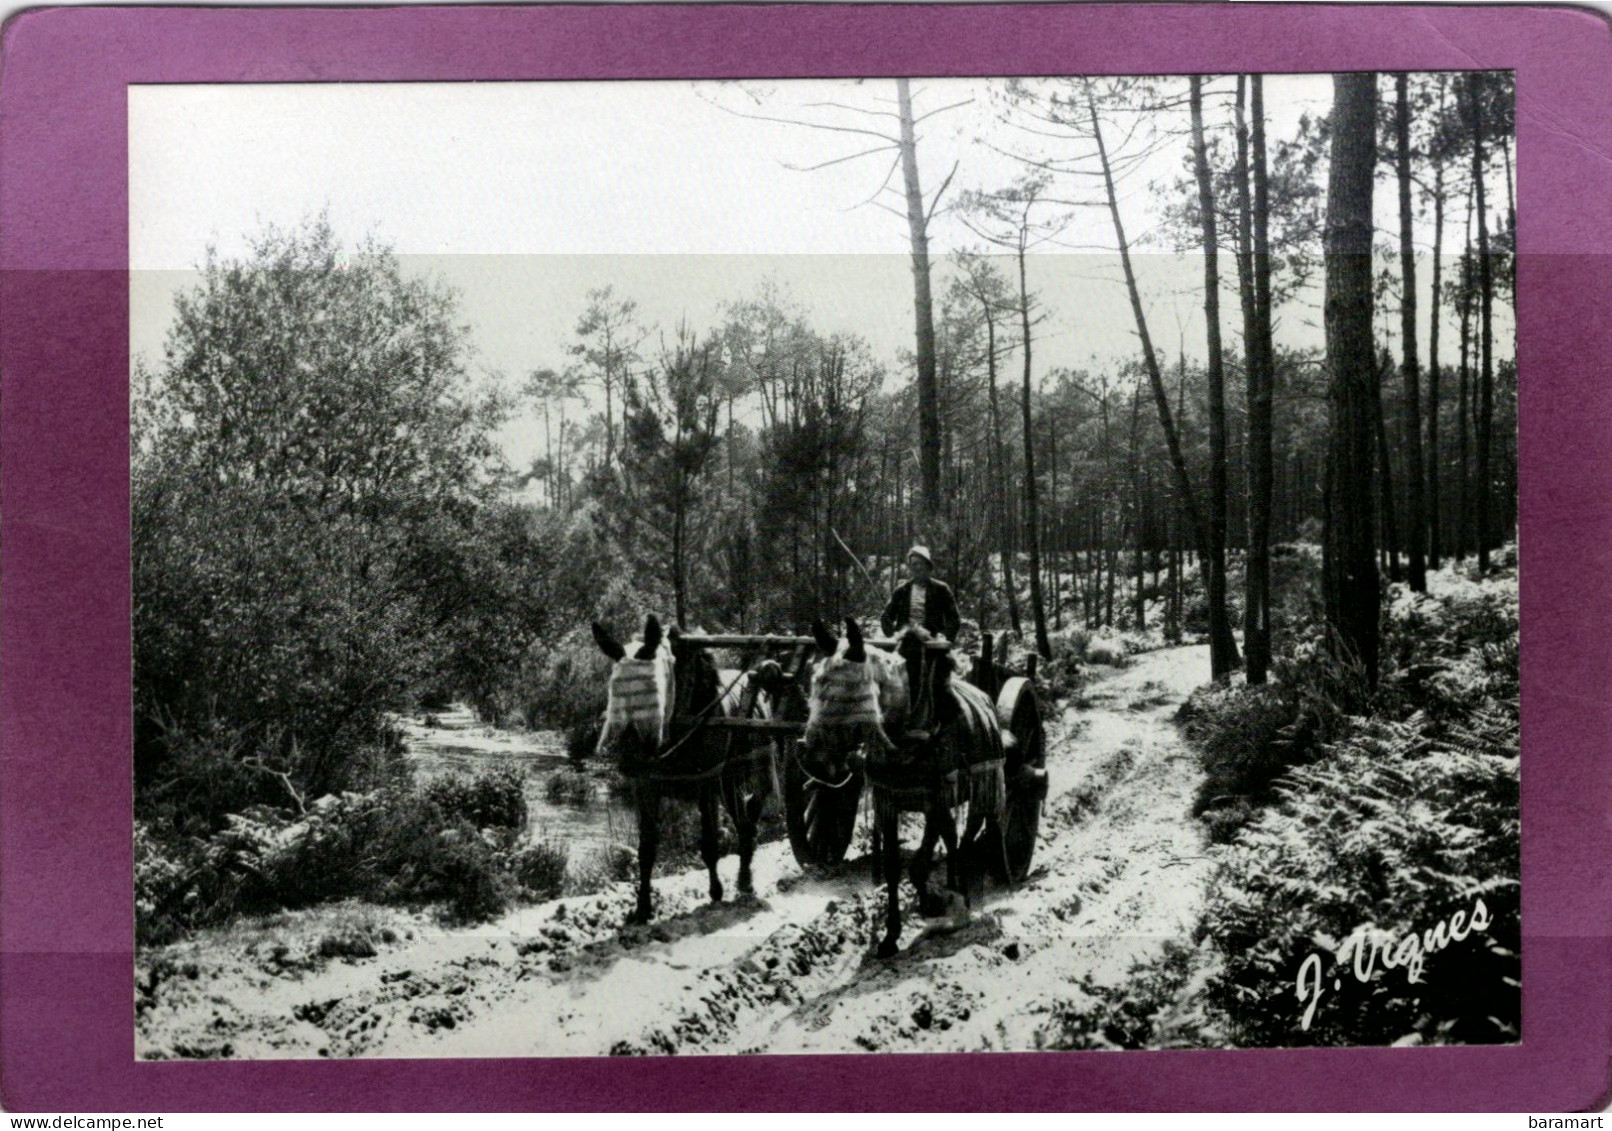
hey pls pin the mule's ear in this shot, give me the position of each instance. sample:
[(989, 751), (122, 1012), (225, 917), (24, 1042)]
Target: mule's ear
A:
[(607, 643), (855, 652), (826, 643), (652, 637)]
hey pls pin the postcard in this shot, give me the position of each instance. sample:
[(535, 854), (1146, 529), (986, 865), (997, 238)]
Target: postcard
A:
[(563, 552)]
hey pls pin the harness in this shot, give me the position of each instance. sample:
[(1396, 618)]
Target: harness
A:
[(920, 766), (656, 767)]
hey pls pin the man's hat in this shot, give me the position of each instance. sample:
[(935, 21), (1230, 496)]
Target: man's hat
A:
[(922, 552)]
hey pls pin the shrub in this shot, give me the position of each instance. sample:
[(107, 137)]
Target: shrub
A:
[(1108, 650), (395, 845), (469, 875), (597, 870), (1061, 676), (570, 786), (1243, 739), (1071, 640), (161, 878), (540, 868), (561, 684), (494, 799), (1137, 641)]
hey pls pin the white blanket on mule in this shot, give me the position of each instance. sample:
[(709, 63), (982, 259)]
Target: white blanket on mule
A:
[(640, 698)]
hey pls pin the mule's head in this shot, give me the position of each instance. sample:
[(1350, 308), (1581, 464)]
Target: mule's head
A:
[(641, 690), (696, 680), (857, 694)]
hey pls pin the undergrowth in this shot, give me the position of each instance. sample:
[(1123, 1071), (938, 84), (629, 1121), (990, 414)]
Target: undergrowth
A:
[(1352, 818)]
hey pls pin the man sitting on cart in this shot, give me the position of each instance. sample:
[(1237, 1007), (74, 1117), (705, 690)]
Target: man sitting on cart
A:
[(924, 603)]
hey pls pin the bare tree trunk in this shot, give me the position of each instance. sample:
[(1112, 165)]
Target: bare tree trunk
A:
[(1415, 521), (1388, 515), (1254, 275), (1222, 645), (1434, 526), (1006, 540), (1172, 440), (1137, 506), (1350, 569), (1486, 329), (1053, 547), (1511, 187), (1463, 405), (1032, 519), (918, 227)]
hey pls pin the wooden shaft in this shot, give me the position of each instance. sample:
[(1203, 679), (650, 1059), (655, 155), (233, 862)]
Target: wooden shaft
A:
[(723, 722)]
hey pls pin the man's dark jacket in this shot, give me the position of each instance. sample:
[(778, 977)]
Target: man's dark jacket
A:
[(940, 610)]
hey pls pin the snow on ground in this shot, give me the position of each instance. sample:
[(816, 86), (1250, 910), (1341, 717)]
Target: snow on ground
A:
[(1119, 870)]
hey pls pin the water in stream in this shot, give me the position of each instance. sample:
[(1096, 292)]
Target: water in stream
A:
[(455, 741)]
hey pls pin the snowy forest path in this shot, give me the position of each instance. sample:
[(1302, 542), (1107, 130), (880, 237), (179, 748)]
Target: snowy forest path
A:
[(1119, 871)]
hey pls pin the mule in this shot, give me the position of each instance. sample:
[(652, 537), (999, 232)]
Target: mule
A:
[(866, 700), (661, 693)]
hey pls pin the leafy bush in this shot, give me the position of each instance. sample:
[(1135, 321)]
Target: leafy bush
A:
[(1108, 650), (442, 844), (1061, 676), (161, 882), (540, 868), (1137, 641), (495, 799), (1246, 738), (469, 875), (569, 787), (559, 684)]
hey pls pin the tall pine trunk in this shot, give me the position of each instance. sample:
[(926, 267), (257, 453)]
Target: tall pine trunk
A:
[(1032, 517), (1172, 439), (1485, 426), (1415, 518), (923, 306), (1434, 449), (1350, 581), (1222, 646), (1137, 505), (1463, 410), (1253, 264), (1387, 513), (1006, 540)]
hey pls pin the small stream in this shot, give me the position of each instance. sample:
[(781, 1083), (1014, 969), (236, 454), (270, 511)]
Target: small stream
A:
[(455, 741)]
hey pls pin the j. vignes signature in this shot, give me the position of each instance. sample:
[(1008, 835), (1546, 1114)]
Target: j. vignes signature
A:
[(1368, 944)]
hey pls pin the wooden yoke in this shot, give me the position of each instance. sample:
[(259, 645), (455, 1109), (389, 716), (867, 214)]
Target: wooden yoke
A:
[(925, 682), (720, 640)]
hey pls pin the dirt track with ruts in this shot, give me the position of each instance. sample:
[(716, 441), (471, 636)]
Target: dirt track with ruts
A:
[(1119, 870)]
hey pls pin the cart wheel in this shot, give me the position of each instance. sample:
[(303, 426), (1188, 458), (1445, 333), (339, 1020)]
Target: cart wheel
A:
[(1020, 714), (821, 818)]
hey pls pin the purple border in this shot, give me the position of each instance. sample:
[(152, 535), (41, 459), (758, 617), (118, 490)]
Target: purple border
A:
[(66, 1040)]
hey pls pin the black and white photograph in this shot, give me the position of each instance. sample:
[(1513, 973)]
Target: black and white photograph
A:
[(856, 566)]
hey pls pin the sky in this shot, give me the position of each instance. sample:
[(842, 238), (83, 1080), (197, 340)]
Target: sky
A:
[(523, 196)]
